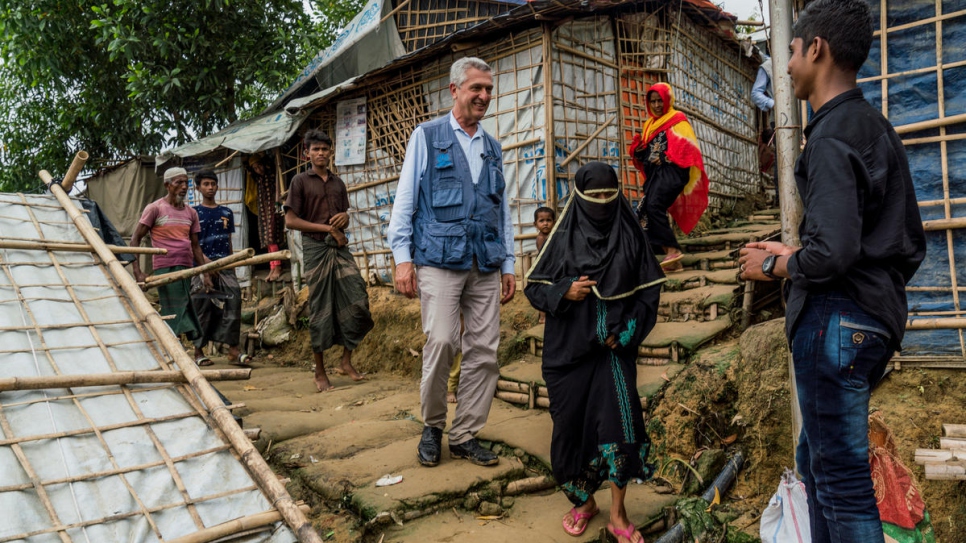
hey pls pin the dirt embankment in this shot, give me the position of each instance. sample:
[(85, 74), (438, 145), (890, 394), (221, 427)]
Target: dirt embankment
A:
[(737, 395)]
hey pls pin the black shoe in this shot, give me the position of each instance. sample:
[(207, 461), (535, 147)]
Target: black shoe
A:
[(430, 446), (474, 452)]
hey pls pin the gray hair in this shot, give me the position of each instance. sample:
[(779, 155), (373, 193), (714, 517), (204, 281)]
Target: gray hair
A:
[(457, 73)]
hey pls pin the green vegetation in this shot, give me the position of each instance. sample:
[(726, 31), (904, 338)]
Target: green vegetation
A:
[(123, 77)]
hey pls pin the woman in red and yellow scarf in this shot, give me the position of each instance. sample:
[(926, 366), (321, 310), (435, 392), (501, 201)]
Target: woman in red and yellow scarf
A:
[(667, 155)]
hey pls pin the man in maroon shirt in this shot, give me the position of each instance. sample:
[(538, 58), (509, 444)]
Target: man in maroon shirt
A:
[(317, 205)]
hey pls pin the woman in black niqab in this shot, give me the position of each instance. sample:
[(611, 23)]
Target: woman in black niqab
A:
[(599, 284)]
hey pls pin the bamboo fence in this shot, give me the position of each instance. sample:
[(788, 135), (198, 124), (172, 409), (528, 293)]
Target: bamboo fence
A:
[(919, 90), (65, 318)]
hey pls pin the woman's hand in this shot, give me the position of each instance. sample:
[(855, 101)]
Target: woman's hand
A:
[(611, 342), (579, 289)]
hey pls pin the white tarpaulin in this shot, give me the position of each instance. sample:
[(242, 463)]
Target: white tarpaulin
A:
[(134, 463), (368, 42)]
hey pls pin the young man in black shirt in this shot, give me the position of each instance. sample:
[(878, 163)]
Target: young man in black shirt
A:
[(862, 241)]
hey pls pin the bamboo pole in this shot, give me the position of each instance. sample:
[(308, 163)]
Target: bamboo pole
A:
[(952, 443), (77, 247), (261, 259), (583, 145), (167, 278), (233, 527), (219, 415), (947, 323), (944, 224), (512, 386), (946, 471), (787, 138), (925, 456), (226, 160), (531, 484), (513, 397), (954, 430), (120, 378), (75, 168), (550, 154), (934, 123)]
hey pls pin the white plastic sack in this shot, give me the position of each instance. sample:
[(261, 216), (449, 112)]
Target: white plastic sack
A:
[(786, 518), (274, 330)]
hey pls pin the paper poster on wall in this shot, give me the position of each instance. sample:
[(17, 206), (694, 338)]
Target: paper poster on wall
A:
[(350, 138)]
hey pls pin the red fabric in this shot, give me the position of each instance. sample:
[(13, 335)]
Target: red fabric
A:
[(682, 151), (898, 498)]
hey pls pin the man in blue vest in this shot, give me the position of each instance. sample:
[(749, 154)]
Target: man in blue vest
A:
[(452, 237)]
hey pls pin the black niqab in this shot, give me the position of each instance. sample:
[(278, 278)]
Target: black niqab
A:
[(598, 235)]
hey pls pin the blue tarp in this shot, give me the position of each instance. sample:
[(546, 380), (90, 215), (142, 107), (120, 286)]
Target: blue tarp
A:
[(914, 97)]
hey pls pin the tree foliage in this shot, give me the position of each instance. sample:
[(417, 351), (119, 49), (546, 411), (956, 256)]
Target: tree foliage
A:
[(124, 77)]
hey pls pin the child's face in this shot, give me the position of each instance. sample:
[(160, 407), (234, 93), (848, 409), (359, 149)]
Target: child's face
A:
[(544, 223), (208, 187)]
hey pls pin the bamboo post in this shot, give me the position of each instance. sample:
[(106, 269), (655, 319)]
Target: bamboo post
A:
[(120, 378), (167, 278), (236, 526), (787, 138), (77, 247), (954, 430), (75, 168), (925, 456), (946, 471), (952, 443), (219, 415), (550, 149)]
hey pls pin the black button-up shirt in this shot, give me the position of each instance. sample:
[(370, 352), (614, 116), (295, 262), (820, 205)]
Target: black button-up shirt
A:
[(861, 233)]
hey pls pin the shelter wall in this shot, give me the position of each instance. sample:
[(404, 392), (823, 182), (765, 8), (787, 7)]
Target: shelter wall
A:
[(916, 75), (591, 61)]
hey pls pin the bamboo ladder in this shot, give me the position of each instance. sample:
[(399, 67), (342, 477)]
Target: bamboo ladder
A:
[(219, 414)]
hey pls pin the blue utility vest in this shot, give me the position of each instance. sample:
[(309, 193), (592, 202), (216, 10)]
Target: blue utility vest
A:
[(456, 220)]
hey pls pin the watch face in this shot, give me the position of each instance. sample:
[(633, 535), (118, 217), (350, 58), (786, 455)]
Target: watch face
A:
[(768, 265)]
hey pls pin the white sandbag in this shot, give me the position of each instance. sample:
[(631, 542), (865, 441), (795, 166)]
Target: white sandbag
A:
[(275, 330), (786, 518)]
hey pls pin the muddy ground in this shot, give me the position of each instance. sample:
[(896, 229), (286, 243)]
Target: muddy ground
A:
[(733, 394)]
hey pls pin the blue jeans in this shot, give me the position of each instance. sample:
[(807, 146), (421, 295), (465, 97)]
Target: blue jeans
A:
[(840, 353)]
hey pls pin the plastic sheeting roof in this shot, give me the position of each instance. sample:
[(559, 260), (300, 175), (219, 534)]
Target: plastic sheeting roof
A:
[(266, 131), (113, 463)]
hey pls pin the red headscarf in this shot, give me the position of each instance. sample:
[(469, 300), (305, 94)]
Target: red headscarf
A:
[(683, 151)]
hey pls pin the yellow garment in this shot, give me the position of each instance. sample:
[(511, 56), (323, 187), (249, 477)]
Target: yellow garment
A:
[(251, 194), (453, 384)]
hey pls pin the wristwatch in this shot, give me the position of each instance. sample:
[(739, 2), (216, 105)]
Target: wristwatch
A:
[(768, 266)]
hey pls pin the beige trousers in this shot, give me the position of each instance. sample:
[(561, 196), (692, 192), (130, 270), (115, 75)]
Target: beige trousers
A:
[(443, 295)]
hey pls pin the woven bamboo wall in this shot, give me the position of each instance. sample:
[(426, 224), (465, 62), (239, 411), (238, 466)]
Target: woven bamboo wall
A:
[(597, 101), (712, 86), (424, 22)]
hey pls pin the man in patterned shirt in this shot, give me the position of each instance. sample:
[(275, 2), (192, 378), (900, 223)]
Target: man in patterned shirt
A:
[(173, 226)]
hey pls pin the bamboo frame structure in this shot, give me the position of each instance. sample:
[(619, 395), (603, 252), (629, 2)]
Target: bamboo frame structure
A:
[(888, 80), (78, 248), (207, 402), (118, 378)]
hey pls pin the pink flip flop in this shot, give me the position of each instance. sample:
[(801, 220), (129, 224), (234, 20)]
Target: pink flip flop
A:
[(627, 533), (578, 516)]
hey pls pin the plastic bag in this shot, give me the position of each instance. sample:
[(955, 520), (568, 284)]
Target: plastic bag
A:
[(901, 508), (786, 518)]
